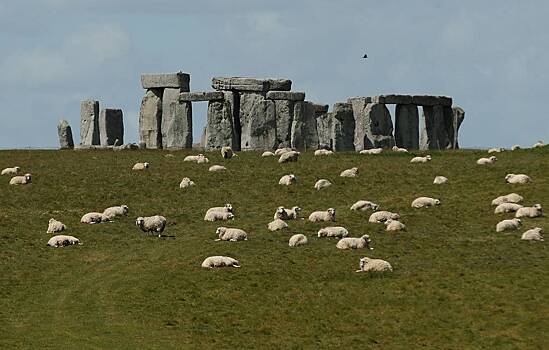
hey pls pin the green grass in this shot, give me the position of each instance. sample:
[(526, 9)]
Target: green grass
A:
[(457, 284)]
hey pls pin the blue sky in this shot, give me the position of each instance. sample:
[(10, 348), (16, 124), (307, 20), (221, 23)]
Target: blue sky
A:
[(492, 57)]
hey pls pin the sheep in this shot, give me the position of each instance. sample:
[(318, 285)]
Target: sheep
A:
[(323, 152), (281, 151), (538, 144), (55, 226), (353, 172), (220, 261), (231, 234), (140, 166), (193, 158), (515, 147), (422, 202), (400, 150), (529, 212), (93, 218), (227, 152), (328, 215), (507, 208), (374, 265), (512, 224), (21, 180), (321, 184), (297, 240), (517, 178), (371, 151), (425, 159), (62, 241), (218, 215), (509, 198), (280, 213), (291, 156), (483, 161), (227, 208), (382, 216), (186, 182), (534, 234), (115, 211), (156, 223), (287, 180), (202, 160), (11, 171), (276, 225), (363, 205), (496, 150), (394, 225), (217, 168), (354, 243), (267, 154), (287, 214), (439, 180), (333, 231)]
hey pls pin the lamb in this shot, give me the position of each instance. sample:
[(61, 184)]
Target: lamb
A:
[(371, 151), (515, 147), (363, 205), (394, 225), (509, 198), (354, 243), (483, 161), (227, 152), (140, 166), (287, 180), (291, 156), (156, 223), (281, 151), (276, 225), (217, 168), (496, 150), (297, 240), (400, 150), (353, 172), (517, 178), (333, 231), (321, 184), (512, 224), (507, 208), (93, 218), (220, 261), (186, 182), (529, 212), (55, 226), (538, 144), (534, 234), (328, 215), (11, 171), (21, 180), (218, 215), (323, 152), (422, 202), (439, 180), (62, 241), (267, 154), (374, 265), (382, 216), (112, 212), (425, 159), (231, 234)]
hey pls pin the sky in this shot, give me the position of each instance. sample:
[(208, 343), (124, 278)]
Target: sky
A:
[(491, 56)]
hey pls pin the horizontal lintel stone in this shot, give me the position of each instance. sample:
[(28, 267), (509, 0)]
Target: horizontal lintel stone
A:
[(422, 100), (201, 96), (393, 99), (320, 109), (170, 80), (286, 95), (366, 99), (251, 84)]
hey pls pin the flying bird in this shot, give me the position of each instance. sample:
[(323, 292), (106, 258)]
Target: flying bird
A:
[(365, 56)]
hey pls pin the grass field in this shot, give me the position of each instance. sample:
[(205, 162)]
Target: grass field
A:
[(457, 284)]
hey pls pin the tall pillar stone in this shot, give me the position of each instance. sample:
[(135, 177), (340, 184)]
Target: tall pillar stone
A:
[(219, 127), (304, 134), (150, 119), (111, 126), (284, 110), (343, 127), (458, 115), (435, 123), (373, 124), (325, 130), (257, 122), (233, 98), (177, 121), (407, 126), (89, 123), (64, 132)]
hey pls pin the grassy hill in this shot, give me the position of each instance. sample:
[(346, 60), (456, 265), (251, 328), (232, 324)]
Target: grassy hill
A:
[(457, 283)]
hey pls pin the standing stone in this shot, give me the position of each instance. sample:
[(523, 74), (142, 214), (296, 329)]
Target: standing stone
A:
[(373, 125), (434, 127), (233, 98), (407, 126), (284, 110), (89, 123), (304, 133), (150, 119), (325, 130), (219, 127), (65, 135), (343, 127), (257, 122), (177, 121), (111, 127), (458, 114)]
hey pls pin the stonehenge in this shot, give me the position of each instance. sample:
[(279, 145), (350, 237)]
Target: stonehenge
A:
[(64, 132), (98, 129)]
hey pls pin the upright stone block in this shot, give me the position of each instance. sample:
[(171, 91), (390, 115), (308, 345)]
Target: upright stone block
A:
[(373, 125), (89, 123), (257, 122), (434, 127), (150, 119), (325, 130), (233, 98), (177, 121), (219, 127), (111, 127), (407, 126), (64, 132), (178, 80), (304, 134), (343, 127), (458, 115), (284, 110)]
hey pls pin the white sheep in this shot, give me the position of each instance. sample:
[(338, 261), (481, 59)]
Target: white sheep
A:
[(483, 161), (538, 144), (227, 152), (496, 150), (287, 214), (62, 241), (276, 225), (217, 168), (231, 234), (374, 265), (218, 215), (394, 225), (353, 172), (508, 198), (287, 180), (267, 154), (297, 240), (363, 205), (529, 212), (21, 180), (11, 171), (511, 224), (371, 151), (202, 160), (400, 150), (227, 207), (193, 158), (354, 243), (439, 180), (291, 156), (382, 216), (186, 182), (517, 178), (156, 223), (507, 208), (422, 202), (333, 232), (112, 212), (534, 234), (220, 261), (140, 166), (55, 226), (515, 147), (281, 151), (322, 184), (328, 215), (323, 152), (425, 159), (93, 218)]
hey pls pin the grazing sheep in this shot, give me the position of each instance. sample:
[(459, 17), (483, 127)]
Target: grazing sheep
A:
[(507, 208), (55, 226), (93, 218), (62, 241), (374, 265), (425, 159), (512, 224), (483, 161), (353, 172), (287, 180), (112, 212), (517, 178), (439, 180), (422, 202), (534, 234), (227, 152), (267, 154), (186, 182), (398, 149), (382, 216), (333, 231), (281, 151), (371, 151), (220, 261), (276, 225), (509, 198), (364, 205), (496, 150), (328, 215), (140, 166), (290, 156), (11, 171), (297, 240), (21, 180), (231, 234), (218, 215), (529, 212), (394, 225), (515, 147), (217, 168), (155, 223), (323, 152), (354, 243), (321, 184), (538, 144)]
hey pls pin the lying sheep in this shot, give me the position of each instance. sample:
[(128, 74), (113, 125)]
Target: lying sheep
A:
[(140, 166), (280, 213), (62, 241), (439, 180), (287, 180), (21, 180), (363, 205), (328, 215), (529, 212), (534, 234), (93, 218), (55, 226), (220, 261), (291, 156), (515, 147), (297, 240), (400, 150), (227, 207), (496, 150), (374, 265), (517, 178), (382, 216), (112, 212), (11, 171), (354, 243), (333, 232), (231, 234), (193, 158), (538, 144), (227, 152), (323, 152), (217, 168), (394, 225), (186, 182), (218, 215), (422, 202), (322, 184), (155, 223), (507, 208), (371, 151), (512, 224), (276, 225), (353, 172), (267, 154), (509, 198), (425, 159), (202, 160), (483, 161), (281, 151), (287, 214)]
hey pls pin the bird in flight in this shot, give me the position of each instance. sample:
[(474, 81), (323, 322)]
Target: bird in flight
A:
[(365, 56)]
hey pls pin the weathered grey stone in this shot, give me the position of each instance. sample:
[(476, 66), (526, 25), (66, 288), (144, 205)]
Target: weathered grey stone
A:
[(200, 96), (407, 126), (422, 100), (203, 138), (359, 99), (304, 134), (325, 130), (111, 126), (257, 122), (219, 127), (458, 115), (150, 119), (373, 125), (392, 99), (435, 123), (142, 145), (170, 80), (250, 84), (233, 98), (284, 110), (64, 132), (177, 121), (286, 95), (89, 122), (320, 109), (343, 127)]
